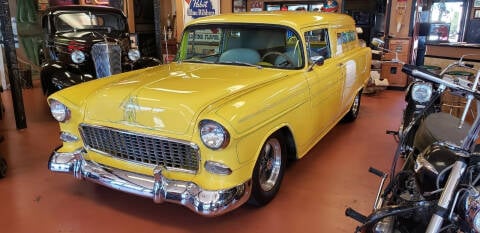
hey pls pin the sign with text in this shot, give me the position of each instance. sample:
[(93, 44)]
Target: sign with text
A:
[(193, 9)]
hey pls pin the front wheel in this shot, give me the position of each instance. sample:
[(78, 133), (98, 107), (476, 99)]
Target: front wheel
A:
[(354, 109), (269, 170)]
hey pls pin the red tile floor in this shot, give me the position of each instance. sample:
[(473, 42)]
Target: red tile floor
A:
[(314, 194)]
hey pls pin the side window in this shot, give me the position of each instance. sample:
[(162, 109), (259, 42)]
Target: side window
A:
[(317, 43), (346, 40)]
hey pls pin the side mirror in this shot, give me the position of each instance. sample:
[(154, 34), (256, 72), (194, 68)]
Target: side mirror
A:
[(316, 60)]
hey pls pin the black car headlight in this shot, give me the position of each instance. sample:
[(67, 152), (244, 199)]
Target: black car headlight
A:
[(59, 111), (77, 56), (133, 54), (421, 92), (213, 135)]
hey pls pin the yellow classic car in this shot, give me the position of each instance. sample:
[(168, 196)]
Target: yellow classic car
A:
[(214, 129)]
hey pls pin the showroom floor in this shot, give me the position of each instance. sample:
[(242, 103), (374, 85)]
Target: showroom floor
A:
[(314, 194)]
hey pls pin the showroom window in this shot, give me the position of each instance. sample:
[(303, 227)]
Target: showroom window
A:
[(446, 21)]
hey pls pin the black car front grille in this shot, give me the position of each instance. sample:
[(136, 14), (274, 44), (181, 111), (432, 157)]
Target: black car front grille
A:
[(142, 148), (107, 58)]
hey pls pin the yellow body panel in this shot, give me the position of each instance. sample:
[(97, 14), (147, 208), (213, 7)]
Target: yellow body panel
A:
[(251, 102)]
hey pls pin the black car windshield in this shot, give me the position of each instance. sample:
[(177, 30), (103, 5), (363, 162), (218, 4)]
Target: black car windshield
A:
[(72, 21), (260, 46)]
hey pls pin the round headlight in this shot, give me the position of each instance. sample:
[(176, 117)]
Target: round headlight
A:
[(421, 92), (472, 209), (213, 135), (59, 111), (77, 56), (134, 54)]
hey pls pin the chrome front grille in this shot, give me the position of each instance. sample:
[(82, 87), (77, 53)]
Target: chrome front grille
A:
[(107, 58), (147, 149)]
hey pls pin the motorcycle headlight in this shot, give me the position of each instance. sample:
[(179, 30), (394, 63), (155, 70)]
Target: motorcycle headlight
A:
[(77, 56), (213, 135), (421, 92), (133, 54), (59, 111), (472, 210)]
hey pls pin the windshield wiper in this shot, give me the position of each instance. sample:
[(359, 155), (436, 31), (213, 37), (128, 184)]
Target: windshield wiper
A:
[(241, 63)]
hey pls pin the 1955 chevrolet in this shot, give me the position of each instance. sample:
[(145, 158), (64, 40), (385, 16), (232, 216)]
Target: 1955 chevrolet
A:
[(214, 129)]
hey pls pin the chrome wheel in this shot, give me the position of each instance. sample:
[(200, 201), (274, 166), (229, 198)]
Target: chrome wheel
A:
[(270, 164), (356, 105), (269, 169), (354, 109)]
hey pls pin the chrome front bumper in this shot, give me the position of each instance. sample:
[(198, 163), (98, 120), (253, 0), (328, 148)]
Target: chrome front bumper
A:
[(160, 189)]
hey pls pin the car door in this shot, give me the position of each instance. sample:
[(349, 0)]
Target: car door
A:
[(348, 54), (324, 81)]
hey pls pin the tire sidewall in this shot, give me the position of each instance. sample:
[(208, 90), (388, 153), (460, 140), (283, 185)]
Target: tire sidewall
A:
[(260, 197)]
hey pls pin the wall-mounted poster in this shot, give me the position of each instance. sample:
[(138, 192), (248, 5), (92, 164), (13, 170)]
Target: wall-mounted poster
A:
[(239, 5), (256, 6), (193, 9), (62, 2), (476, 3)]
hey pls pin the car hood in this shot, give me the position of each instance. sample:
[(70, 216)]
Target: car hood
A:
[(169, 98), (87, 37)]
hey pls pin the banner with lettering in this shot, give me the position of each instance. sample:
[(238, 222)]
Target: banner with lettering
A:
[(193, 9)]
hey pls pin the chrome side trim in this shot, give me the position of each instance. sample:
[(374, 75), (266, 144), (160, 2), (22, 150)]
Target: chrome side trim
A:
[(159, 188)]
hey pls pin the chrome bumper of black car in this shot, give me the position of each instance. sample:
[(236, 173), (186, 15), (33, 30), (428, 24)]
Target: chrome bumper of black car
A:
[(158, 188)]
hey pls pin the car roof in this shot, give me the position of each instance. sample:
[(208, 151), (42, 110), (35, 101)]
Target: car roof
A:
[(294, 19), (83, 8)]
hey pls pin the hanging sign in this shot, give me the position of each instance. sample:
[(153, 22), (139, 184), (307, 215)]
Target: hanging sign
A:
[(193, 9)]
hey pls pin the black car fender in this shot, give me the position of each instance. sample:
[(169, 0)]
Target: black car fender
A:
[(145, 62), (57, 75)]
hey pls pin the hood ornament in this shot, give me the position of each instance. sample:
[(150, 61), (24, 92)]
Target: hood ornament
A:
[(130, 110)]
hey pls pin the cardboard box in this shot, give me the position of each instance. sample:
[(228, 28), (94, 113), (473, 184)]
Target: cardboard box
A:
[(393, 72)]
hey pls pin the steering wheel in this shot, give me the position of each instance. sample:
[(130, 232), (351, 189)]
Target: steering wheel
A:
[(288, 61)]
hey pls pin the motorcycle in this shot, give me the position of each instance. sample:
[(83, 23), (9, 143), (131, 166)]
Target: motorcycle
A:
[(437, 189)]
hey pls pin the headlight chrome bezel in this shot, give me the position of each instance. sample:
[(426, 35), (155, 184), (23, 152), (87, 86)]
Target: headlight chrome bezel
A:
[(59, 111), (213, 135), (77, 56), (421, 92), (133, 54)]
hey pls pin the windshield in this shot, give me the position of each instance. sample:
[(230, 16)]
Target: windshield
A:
[(261, 46), (71, 21)]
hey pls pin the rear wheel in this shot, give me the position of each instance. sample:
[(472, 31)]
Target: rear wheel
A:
[(354, 109), (269, 170)]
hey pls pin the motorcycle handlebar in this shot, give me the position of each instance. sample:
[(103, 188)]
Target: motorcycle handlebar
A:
[(425, 75)]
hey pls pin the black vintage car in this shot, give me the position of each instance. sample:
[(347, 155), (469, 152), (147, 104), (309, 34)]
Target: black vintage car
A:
[(82, 43)]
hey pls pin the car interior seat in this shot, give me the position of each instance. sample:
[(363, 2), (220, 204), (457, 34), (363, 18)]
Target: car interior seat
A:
[(246, 55)]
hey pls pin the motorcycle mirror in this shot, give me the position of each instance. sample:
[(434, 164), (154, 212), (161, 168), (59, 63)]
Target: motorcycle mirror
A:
[(377, 43)]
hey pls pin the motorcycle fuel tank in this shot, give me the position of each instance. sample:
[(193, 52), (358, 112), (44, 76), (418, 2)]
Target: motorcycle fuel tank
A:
[(433, 166)]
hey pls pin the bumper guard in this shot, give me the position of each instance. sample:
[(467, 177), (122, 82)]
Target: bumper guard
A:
[(204, 202)]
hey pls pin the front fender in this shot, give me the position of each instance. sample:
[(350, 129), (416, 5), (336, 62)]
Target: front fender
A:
[(56, 76)]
